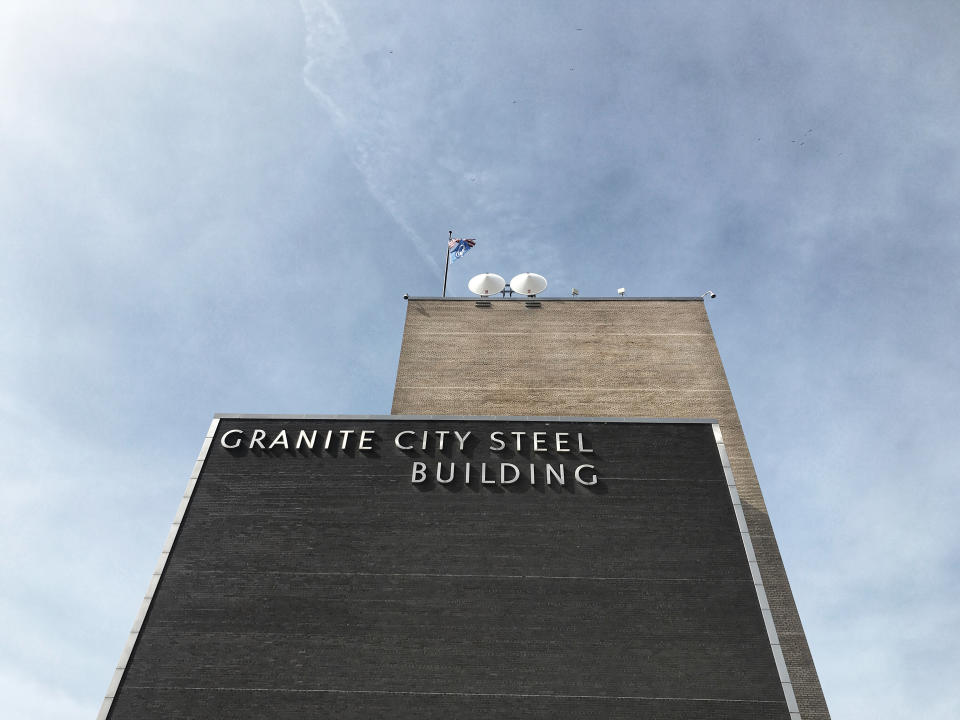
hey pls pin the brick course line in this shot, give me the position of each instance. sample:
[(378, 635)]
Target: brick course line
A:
[(453, 694)]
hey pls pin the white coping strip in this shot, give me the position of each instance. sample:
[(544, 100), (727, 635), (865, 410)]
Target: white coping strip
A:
[(768, 622), (484, 418), (157, 574), (525, 298)]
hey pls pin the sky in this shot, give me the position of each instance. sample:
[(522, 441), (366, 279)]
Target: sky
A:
[(215, 206)]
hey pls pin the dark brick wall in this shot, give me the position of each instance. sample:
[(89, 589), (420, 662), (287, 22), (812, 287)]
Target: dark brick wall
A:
[(327, 584)]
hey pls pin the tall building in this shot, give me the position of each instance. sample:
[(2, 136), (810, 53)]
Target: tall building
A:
[(607, 357), (559, 519)]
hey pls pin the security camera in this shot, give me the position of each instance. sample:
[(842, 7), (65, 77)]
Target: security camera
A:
[(621, 291), (406, 296), (574, 292), (711, 293)]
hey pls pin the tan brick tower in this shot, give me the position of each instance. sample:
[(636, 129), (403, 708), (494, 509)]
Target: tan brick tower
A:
[(610, 357)]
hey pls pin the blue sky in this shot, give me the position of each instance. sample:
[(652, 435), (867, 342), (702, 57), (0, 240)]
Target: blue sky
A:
[(215, 206)]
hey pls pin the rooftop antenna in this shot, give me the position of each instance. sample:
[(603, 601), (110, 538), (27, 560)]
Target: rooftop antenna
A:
[(528, 284), (486, 284)]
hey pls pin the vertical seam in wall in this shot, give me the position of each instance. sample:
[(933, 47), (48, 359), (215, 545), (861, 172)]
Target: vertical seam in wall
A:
[(778, 657), (157, 575)]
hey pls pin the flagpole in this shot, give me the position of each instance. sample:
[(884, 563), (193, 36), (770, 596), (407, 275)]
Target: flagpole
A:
[(446, 268)]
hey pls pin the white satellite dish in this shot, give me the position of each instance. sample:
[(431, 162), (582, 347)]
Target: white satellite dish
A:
[(528, 283), (486, 284)]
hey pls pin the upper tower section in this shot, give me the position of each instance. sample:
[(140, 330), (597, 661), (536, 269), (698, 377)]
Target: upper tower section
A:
[(621, 357), (602, 357)]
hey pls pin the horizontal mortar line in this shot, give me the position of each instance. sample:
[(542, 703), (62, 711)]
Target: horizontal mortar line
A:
[(612, 578), (454, 694), (570, 387), (300, 630), (295, 476)]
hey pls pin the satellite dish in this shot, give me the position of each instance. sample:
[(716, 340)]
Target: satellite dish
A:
[(529, 283), (486, 284)]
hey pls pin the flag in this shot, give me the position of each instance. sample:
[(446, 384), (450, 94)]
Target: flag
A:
[(459, 246)]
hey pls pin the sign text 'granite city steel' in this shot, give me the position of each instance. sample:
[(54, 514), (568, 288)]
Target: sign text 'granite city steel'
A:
[(432, 442)]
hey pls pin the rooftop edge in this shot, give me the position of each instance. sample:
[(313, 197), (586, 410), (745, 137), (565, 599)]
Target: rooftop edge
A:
[(519, 298)]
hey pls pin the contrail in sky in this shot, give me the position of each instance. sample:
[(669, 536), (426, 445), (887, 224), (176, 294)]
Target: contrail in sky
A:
[(338, 78)]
